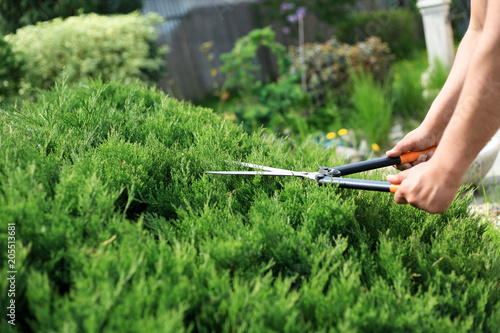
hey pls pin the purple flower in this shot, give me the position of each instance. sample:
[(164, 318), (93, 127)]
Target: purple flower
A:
[(292, 18), (286, 30), (301, 12), (285, 6)]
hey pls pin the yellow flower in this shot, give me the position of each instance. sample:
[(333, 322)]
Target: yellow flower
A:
[(331, 135), (375, 147), (213, 72), (342, 131)]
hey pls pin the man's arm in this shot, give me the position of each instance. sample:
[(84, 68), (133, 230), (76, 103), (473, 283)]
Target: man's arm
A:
[(432, 186), (429, 133)]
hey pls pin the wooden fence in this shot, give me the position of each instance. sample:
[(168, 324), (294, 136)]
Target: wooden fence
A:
[(184, 30)]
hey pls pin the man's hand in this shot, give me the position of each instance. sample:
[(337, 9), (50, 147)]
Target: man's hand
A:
[(417, 140), (426, 186)]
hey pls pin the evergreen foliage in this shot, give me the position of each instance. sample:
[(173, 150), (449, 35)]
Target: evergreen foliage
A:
[(117, 47), (15, 14), (118, 229)]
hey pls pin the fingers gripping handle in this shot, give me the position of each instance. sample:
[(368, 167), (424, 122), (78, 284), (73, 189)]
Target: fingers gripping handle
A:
[(413, 155), (408, 158)]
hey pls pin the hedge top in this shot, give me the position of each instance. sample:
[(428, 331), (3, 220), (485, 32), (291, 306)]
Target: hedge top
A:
[(118, 229)]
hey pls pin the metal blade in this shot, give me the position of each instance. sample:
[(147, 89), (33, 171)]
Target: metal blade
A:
[(254, 173), (268, 171), (263, 167)]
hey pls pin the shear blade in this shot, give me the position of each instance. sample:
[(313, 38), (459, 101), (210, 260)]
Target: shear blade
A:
[(254, 173), (263, 167)]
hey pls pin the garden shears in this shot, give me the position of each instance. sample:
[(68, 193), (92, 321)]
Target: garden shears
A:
[(327, 175)]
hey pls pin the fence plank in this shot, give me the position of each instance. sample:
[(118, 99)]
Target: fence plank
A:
[(188, 25)]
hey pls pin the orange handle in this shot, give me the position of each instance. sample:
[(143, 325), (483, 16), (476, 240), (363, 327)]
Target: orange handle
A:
[(412, 156), (394, 188)]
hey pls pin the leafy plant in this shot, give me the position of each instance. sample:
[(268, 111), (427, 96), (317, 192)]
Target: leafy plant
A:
[(241, 66), (254, 102), (434, 79), (373, 106), (111, 47), (16, 14), (113, 213), (396, 27), (408, 91), (11, 70), (326, 11), (327, 66)]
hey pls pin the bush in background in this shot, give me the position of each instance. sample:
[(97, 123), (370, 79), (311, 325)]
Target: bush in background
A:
[(408, 90), (327, 66), (373, 108), (397, 27), (240, 66), (330, 12), (15, 14), (11, 70), (119, 230), (118, 47)]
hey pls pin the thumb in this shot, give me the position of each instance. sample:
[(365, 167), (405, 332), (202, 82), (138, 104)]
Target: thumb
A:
[(401, 147), (398, 178)]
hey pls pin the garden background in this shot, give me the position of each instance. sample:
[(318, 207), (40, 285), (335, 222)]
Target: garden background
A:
[(110, 224)]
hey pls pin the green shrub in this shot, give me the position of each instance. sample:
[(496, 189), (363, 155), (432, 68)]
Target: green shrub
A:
[(11, 70), (118, 229), (407, 90), (397, 27), (373, 105), (254, 102), (115, 47), (327, 66), (15, 14), (240, 65), (434, 79), (329, 12)]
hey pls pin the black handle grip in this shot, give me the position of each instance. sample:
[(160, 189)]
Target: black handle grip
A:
[(376, 163), (357, 184)]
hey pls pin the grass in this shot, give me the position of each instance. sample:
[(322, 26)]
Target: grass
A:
[(118, 229), (372, 106), (407, 89)]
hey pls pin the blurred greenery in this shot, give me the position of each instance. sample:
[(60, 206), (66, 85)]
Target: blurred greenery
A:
[(15, 14), (326, 11), (400, 28), (373, 108), (11, 70), (117, 47)]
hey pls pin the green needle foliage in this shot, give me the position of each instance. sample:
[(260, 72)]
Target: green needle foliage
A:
[(119, 230)]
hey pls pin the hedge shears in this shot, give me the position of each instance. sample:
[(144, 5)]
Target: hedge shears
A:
[(327, 175)]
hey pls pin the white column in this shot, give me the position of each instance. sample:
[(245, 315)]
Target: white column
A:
[(437, 29)]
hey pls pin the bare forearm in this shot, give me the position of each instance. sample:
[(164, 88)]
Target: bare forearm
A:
[(445, 103), (430, 132), (477, 115)]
